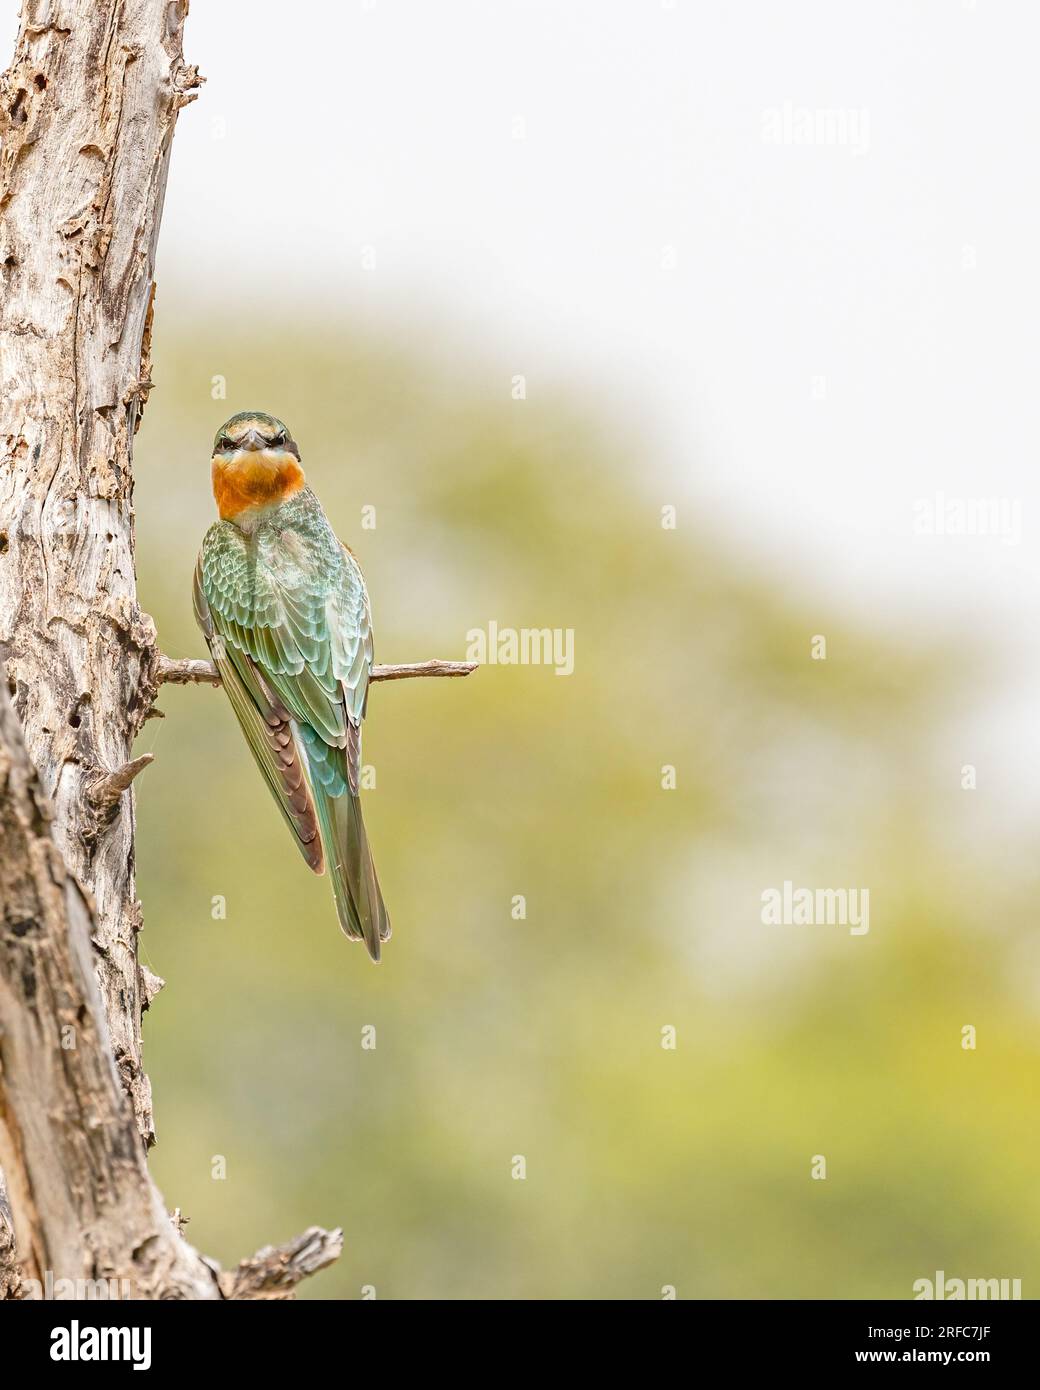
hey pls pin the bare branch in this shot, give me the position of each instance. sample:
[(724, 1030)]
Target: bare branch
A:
[(193, 671), (274, 1272), (423, 668), (188, 672), (106, 791)]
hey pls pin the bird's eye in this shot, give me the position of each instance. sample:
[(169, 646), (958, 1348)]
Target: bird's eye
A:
[(227, 443), (280, 437)]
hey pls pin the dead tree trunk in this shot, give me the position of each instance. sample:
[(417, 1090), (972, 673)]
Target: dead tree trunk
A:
[(86, 1210), (87, 114)]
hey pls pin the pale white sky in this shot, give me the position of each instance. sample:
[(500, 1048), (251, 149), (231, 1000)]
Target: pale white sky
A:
[(648, 236), (644, 129)]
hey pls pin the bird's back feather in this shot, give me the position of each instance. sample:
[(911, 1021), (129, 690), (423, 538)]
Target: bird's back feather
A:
[(285, 611)]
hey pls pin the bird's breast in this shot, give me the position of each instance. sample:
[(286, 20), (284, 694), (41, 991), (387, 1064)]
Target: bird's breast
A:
[(249, 482)]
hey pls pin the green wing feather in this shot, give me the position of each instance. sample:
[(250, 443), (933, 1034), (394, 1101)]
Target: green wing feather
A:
[(286, 614), (269, 734)]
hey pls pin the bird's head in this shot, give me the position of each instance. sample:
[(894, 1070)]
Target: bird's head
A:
[(256, 465)]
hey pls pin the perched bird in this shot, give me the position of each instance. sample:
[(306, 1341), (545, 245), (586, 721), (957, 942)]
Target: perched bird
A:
[(284, 609)]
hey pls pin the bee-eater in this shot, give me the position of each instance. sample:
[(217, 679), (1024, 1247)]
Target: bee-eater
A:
[(283, 606)]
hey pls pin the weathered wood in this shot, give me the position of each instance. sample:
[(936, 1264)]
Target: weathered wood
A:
[(84, 1204), (198, 671), (10, 1273), (85, 1207), (87, 113), (104, 794), (274, 1272)]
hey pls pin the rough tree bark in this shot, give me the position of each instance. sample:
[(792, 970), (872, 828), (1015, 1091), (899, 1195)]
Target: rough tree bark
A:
[(87, 114), (10, 1274), (86, 1209)]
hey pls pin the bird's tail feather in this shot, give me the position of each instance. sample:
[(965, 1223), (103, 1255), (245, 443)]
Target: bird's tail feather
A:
[(348, 858)]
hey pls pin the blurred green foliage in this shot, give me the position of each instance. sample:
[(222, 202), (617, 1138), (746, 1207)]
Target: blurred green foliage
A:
[(542, 1038)]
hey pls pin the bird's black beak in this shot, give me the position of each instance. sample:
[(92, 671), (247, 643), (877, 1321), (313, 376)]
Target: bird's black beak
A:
[(252, 439)]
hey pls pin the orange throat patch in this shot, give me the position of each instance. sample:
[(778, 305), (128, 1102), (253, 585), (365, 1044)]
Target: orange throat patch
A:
[(252, 481)]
